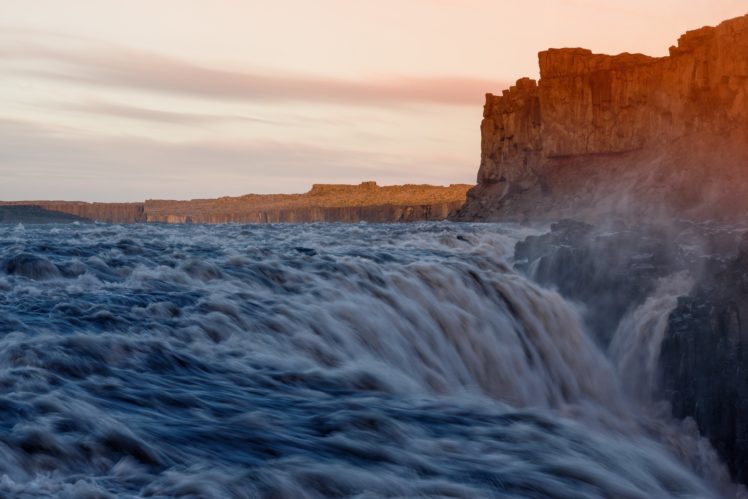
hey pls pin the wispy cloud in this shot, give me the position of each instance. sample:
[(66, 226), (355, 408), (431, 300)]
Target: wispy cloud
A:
[(115, 110), (125, 68), (131, 168)]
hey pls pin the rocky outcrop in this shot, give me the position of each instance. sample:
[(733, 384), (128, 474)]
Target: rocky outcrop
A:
[(609, 270), (601, 134), (511, 142), (704, 361), (323, 203), (701, 365), (600, 137)]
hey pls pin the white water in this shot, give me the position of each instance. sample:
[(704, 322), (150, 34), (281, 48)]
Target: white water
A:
[(635, 347), (317, 361)]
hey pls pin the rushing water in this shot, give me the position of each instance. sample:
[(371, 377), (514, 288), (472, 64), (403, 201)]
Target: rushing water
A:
[(312, 361)]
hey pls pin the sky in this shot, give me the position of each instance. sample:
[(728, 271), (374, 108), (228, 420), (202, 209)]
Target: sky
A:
[(114, 100)]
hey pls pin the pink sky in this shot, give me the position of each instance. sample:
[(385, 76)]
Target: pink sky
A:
[(110, 100)]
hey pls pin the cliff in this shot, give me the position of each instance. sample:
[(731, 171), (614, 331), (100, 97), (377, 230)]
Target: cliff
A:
[(599, 134), (691, 352), (35, 215), (118, 213), (323, 203), (704, 357)]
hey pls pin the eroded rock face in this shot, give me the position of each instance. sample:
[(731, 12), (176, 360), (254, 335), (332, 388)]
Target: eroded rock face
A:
[(701, 364), (118, 213), (631, 128), (608, 270), (704, 361), (510, 133), (31, 214), (323, 203)]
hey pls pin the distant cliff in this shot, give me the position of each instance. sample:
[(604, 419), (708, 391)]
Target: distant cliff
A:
[(119, 213), (35, 215), (600, 134), (323, 203)]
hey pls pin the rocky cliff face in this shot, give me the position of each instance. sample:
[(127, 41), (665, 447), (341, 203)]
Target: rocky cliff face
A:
[(118, 213), (323, 203), (601, 133), (610, 270), (35, 215), (704, 357), (158, 213)]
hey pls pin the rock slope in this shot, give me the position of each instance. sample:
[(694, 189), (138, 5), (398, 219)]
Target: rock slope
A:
[(600, 135)]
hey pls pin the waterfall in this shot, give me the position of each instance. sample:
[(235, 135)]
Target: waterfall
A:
[(312, 361)]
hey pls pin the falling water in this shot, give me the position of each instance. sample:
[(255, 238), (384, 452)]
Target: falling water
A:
[(313, 361), (636, 343)]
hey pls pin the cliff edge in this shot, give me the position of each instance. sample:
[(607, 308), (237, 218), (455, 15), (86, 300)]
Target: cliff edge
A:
[(601, 135), (366, 201)]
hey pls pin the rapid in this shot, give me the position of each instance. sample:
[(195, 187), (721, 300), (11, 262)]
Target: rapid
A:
[(321, 360)]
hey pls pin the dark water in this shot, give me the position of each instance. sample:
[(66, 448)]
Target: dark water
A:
[(315, 361)]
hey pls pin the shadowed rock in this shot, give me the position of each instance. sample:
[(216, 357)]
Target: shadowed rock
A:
[(35, 215), (704, 361)]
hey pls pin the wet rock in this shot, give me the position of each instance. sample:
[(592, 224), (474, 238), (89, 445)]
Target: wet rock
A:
[(608, 270), (704, 361)]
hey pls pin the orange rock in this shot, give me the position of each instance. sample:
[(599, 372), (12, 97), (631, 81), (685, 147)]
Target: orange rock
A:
[(323, 203), (664, 116)]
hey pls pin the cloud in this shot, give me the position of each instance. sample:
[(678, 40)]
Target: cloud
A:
[(157, 115), (39, 162), (124, 68)]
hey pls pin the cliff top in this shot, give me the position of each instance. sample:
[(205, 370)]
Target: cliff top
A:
[(618, 134), (322, 196), (559, 62)]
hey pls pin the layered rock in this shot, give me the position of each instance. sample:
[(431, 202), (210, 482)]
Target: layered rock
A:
[(701, 357), (610, 270), (624, 131), (35, 215), (323, 203), (704, 361), (118, 213)]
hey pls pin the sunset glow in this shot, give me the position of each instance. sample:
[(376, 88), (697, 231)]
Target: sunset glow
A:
[(114, 101)]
